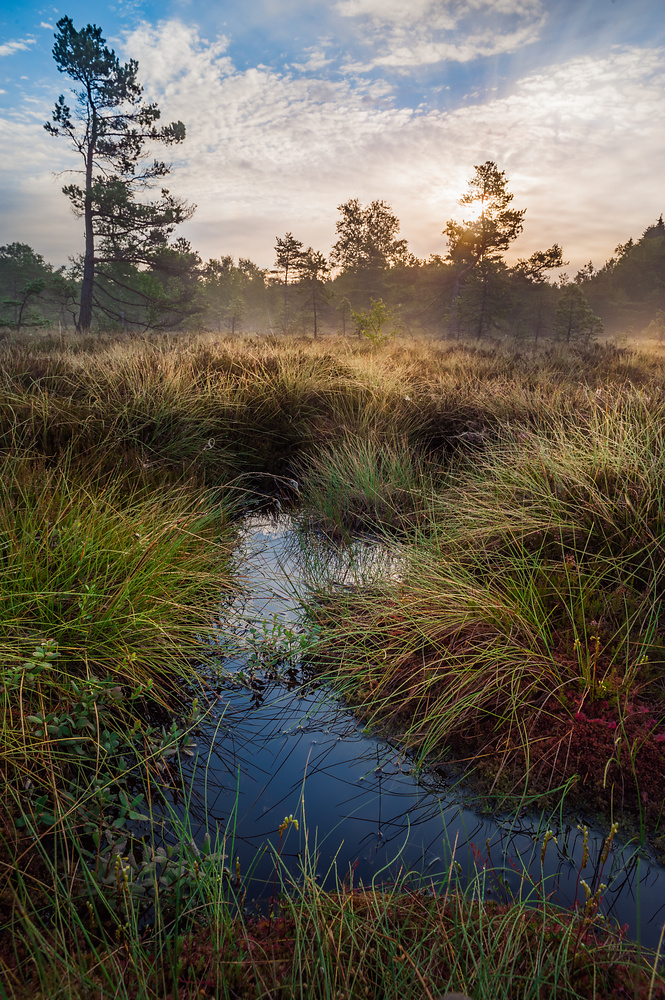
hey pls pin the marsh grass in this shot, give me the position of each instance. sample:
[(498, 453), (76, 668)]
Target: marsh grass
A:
[(107, 591), (408, 939), (111, 572), (361, 484), (526, 496), (592, 487), (152, 406), (525, 634)]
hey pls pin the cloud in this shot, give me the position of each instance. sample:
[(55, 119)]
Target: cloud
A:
[(426, 32), (9, 48), (316, 60), (32, 206), (45, 24), (268, 153)]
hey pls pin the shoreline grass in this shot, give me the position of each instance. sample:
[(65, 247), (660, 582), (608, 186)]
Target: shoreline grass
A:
[(526, 633), (408, 939)]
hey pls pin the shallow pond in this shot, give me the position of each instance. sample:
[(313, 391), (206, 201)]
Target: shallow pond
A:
[(270, 748)]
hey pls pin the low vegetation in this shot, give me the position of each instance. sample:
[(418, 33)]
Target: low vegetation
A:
[(525, 633), (522, 641)]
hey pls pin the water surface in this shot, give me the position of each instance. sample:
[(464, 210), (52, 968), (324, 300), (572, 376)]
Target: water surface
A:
[(270, 748)]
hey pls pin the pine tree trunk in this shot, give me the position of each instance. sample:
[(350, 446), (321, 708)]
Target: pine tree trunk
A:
[(452, 323), (87, 285), (481, 316)]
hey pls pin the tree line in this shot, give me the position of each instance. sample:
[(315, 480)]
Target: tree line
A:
[(134, 272)]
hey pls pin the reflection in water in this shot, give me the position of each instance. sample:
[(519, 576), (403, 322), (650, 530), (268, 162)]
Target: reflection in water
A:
[(271, 748)]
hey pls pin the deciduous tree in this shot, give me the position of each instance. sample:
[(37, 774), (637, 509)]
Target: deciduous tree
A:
[(370, 322), (228, 292), (367, 237)]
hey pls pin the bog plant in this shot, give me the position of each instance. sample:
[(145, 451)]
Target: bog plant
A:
[(271, 650), (370, 323), (522, 635), (87, 756)]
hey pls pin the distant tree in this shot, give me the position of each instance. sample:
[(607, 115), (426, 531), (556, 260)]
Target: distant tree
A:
[(484, 300), (623, 249), (235, 312), (19, 264), (575, 320), (251, 271), (158, 296), (533, 292), (585, 273), (343, 306), (370, 322), (63, 290), (638, 268), (478, 244), (109, 128), (229, 292), (630, 287), (222, 292), (656, 327), (254, 290), (367, 251), (535, 267), (367, 237), (24, 275), (288, 257), (23, 315), (496, 225), (656, 231), (314, 272)]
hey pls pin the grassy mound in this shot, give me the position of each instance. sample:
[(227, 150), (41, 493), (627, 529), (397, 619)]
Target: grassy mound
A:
[(526, 632)]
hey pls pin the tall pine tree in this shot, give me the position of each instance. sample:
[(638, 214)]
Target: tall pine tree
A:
[(109, 127)]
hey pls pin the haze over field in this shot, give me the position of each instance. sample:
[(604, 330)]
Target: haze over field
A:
[(292, 108)]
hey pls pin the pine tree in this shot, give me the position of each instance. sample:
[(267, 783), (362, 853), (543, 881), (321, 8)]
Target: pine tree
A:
[(109, 128), (288, 257), (575, 322), (314, 272), (535, 293), (477, 247)]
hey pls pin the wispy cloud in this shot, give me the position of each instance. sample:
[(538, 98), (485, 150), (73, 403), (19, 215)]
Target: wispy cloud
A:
[(9, 48), (425, 32), (32, 207), (269, 152), (316, 60)]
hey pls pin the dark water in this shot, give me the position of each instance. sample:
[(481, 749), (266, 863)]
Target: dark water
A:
[(270, 749)]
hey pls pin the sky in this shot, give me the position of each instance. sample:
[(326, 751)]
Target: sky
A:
[(294, 106)]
